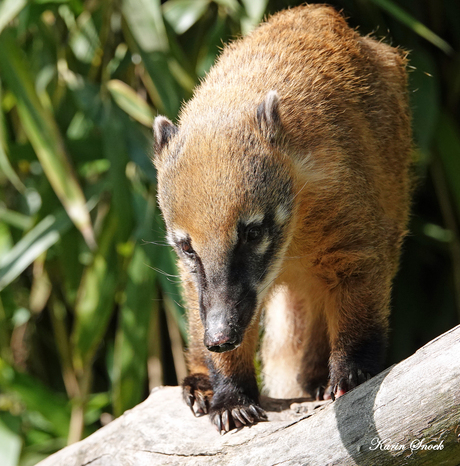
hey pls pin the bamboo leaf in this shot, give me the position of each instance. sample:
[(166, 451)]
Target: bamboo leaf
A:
[(169, 92), (425, 99), (5, 165), (34, 243), (50, 405), (146, 36), (10, 446), (95, 300), (131, 344), (255, 10), (165, 259), (146, 24), (16, 219), (43, 133), (8, 171), (130, 102), (183, 14), (113, 134), (419, 28), (8, 11), (448, 143)]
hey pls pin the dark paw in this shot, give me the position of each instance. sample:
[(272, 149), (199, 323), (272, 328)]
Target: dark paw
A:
[(347, 379), (317, 392), (233, 417), (197, 393)]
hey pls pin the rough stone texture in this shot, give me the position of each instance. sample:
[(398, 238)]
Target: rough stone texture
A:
[(417, 399)]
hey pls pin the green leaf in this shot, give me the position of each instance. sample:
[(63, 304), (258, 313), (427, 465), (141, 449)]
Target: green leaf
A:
[(84, 39), (255, 10), (8, 171), (183, 14), (448, 144), (5, 165), (147, 37), (97, 402), (8, 11), (131, 344), (16, 219), (425, 98), (96, 298), (113, 133), (130, 102), (43, 133), (10, 446), (164, 259), (419, 28), (146, 24), (233, 7), (34, 243), (51, 406), (169, 93)]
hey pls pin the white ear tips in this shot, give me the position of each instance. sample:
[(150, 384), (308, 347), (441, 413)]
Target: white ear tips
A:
[(163, 129), (268, 117)]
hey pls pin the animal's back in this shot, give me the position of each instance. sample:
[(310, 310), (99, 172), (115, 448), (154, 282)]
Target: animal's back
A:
[(338, 89)]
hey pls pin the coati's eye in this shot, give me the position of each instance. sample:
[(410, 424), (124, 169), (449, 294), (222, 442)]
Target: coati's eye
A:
[(254, 233), (186, 248)]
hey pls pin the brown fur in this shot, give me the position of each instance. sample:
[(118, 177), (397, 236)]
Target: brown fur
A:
[(341, 135)]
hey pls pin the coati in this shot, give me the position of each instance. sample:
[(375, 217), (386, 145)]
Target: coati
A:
[(285, 191)]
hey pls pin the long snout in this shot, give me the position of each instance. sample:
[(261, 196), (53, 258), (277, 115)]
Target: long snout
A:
[(220, 334)]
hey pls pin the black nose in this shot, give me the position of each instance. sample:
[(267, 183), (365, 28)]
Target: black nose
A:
[(223, 348), (220, 342), (221, 333)]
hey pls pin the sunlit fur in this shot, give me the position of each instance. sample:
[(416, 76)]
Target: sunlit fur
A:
[(333, 138)]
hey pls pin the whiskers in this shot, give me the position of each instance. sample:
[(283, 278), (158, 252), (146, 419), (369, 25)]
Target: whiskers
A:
[(279, 272), (156, 243), (168, 276)]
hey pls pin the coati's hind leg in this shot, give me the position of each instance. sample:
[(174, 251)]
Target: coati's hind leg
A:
[(295, 349), (357, 318), (314, 371)]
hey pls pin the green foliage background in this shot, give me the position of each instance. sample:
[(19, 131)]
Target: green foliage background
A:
[(90, 313)]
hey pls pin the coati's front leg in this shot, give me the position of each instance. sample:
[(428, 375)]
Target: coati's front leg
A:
[(226, 387), (235, 401), (358, 325), (196, 387), (221, 384)]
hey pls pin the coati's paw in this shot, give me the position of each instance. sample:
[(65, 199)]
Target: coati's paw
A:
[(346, 379), (229, 417), (197, 393)]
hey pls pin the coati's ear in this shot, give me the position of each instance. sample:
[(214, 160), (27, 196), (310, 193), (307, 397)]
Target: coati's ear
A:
[(163, 130), (268, 117)]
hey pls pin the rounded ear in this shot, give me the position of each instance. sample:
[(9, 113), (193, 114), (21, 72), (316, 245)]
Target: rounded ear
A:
[(268, 117), (163, 130)]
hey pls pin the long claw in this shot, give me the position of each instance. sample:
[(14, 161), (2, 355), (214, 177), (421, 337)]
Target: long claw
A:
[(190, 399), (218, 423), (247, 415), (226, 421), (262, 413), (237, 415), (254, 411)]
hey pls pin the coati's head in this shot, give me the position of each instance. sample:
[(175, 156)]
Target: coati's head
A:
[(226, 194)]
